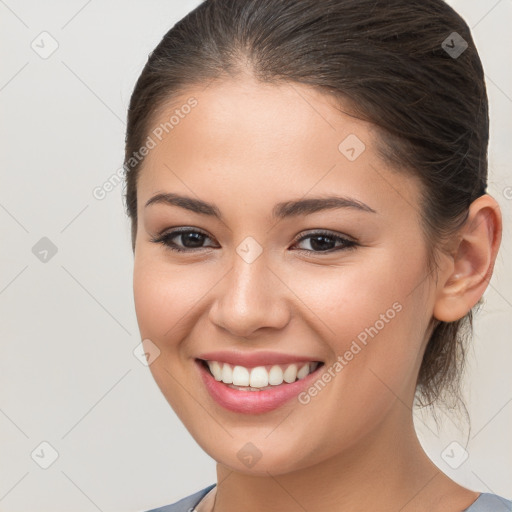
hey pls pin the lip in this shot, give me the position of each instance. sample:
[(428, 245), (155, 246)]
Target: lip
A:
[(252, 402), (252, 359)]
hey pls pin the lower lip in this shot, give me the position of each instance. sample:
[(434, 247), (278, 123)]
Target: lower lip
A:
[(253, 402)]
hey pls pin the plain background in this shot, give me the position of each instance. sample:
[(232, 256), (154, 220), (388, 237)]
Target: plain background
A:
[(68, 374)]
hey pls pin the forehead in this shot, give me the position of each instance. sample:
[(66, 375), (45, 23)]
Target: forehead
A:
[(276, 140), (246, 120)]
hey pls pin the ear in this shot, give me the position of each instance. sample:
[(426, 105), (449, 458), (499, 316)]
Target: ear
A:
[(470, 266)]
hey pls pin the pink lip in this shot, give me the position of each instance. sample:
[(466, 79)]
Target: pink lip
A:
[(252, 402), (252, 359)]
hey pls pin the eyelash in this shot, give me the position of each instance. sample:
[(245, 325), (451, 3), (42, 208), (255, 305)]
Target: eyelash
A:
[(165, 240)]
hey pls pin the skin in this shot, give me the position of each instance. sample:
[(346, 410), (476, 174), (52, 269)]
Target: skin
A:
[(353, 446)]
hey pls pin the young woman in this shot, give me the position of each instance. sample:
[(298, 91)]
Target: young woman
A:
[(306, 182)]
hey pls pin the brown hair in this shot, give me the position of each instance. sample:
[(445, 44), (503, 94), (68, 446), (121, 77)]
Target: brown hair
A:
[(390, 61)]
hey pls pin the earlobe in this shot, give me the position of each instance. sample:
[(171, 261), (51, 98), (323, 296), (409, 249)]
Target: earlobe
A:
[(471, 265)]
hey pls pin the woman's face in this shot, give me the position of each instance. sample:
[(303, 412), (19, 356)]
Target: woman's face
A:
[(253, 282)]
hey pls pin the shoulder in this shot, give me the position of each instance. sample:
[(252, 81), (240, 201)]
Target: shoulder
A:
[(488, 502), (186, 504)]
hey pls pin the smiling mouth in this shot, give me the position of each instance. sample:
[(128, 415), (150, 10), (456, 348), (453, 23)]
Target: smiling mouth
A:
[(259, 378)]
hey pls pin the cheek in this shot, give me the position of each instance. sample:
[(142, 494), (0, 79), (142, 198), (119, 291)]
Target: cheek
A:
[(377, 329), (350, 299), (162, 296), (169, 299), (374, 318)]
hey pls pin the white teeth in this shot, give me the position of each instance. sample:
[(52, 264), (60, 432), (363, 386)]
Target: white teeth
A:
[(240, 376), (275, 375), (303, 371), (227, 374), (216, 369), (290, 374), (259, 376)]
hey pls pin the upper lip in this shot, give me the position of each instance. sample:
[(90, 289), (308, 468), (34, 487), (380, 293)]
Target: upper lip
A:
[(252, 359)]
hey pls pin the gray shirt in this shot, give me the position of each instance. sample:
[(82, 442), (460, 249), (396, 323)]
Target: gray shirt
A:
[(486, 502)]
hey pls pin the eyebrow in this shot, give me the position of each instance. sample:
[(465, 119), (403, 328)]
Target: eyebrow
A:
[(280, 210)]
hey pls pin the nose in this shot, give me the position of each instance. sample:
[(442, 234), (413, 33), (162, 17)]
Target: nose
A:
[(249, 298)]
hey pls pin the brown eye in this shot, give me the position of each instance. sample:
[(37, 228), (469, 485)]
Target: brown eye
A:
[(323, 241), (190, 240)]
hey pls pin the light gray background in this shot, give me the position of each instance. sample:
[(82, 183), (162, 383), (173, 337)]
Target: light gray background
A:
[(68, 375)]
